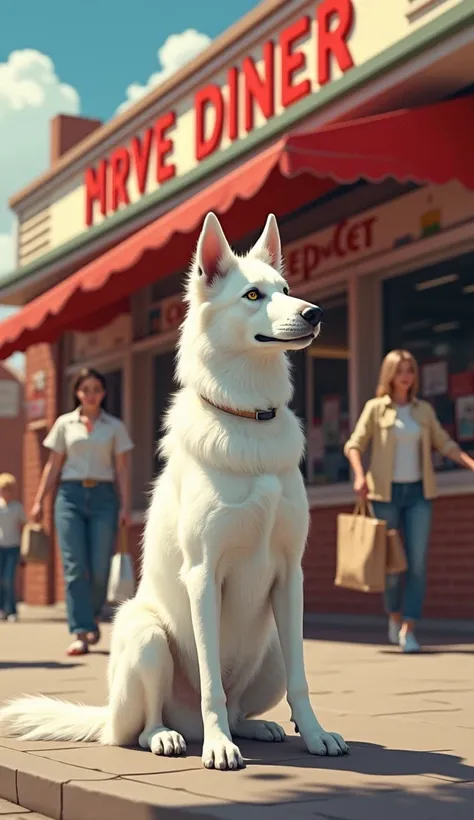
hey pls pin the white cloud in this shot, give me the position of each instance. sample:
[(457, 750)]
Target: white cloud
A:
[(30, 95), (175, 52)]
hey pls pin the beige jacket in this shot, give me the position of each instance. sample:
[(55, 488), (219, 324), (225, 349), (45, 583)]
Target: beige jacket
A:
[(376, 425)]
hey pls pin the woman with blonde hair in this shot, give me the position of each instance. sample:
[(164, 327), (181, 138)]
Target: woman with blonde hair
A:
[(400, 482)]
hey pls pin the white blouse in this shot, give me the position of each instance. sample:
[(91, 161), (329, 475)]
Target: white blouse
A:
[(89, 455), (407, 466)]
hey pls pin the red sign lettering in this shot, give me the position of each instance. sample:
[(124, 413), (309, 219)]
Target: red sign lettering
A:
[(209, 99), (293, 60), (140, 151), (127, 161), (164, 146), (216, 111), (96, 190), (260, 90), (347, 239), (332, 39), (120, 169), (233, 104)]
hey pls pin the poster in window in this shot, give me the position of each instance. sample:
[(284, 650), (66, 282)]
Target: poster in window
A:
[(465, 418), (331, 413), (434, 379), (9, 399), (461, 384), (316, 443)]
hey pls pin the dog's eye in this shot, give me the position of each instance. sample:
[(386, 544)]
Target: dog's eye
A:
[(253, 295), (286, 291)]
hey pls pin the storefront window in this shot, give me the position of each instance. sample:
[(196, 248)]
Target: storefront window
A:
[(113, 400), (431, 313), (328, 423), (163, 388)]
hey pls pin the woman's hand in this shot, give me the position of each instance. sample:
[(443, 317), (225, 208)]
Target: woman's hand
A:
[(470, 464), (360, 486), (124, 517), (37, 512)]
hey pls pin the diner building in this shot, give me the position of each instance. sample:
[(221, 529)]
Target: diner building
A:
[(353, 122)]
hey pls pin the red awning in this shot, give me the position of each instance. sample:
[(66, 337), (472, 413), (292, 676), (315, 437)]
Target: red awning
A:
[(428, 144)]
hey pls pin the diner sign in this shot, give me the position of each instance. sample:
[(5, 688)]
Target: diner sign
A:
[(291, 65)]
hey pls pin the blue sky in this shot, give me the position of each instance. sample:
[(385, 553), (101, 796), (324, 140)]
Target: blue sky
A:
[(90, 58), (100, 46)]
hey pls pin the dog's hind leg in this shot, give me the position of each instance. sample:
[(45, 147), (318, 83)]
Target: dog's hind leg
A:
[(140, 684), (156, 675), (264, 692)]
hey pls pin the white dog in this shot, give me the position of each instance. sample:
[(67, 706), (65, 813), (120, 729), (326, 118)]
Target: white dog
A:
[(214, 634)]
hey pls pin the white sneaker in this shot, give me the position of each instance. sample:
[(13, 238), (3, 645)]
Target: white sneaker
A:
[(12, 619), (409, 644), (393, 632)]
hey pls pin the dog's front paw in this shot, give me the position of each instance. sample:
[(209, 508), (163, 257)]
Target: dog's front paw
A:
[(326, 743), (163, 741), (220, 753)]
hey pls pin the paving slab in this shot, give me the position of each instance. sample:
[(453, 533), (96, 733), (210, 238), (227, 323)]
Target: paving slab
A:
[(409, 721), (7, 808), (10, 811), (36, 783)]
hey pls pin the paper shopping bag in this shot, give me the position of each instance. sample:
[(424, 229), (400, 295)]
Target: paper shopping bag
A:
[(361, 550), (35, 544), (396, 557), (121, 584)]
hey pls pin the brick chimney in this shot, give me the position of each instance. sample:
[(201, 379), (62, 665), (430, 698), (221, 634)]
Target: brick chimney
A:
[(67, 131)]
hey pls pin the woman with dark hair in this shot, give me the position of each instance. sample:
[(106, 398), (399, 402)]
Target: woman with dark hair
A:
[(89, 451)]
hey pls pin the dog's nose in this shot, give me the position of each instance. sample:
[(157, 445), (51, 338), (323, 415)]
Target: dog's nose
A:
[(312, 315)]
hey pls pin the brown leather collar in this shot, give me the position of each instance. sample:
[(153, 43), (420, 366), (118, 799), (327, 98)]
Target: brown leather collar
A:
[(256, 415)]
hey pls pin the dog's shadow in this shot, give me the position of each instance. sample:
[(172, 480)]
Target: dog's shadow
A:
[(50, 665), (365, 759)]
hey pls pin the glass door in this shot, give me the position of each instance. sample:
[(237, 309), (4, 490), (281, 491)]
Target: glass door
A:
[(328, 397)]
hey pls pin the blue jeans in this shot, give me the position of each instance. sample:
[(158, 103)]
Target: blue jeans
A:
[(86, 521), (9, 557), (411, 513)]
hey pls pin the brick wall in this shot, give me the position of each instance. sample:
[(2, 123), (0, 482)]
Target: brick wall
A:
[(450, 569), (11, 444), (38, 580), (11, 431)]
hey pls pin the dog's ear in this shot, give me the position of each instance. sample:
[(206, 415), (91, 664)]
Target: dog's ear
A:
[(268, 247), (214, 255)]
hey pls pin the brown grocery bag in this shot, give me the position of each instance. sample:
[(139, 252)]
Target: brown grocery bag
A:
[(35, 544), (361, 550), (396, 557)]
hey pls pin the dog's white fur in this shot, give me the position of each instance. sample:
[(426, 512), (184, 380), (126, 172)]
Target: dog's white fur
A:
[(214, 634)]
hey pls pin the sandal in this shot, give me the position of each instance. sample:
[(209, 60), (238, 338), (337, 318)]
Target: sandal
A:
[(93, 638), (78, 647)]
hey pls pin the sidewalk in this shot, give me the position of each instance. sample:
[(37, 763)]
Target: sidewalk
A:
[(409, 721)]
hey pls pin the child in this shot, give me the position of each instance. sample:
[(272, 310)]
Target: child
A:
[(12, 519)]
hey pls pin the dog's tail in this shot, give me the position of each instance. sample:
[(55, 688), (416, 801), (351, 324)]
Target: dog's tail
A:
[(41, 718)]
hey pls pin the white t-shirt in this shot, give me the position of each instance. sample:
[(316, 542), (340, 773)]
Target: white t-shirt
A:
[(12, 518), (407, 465), (88, 455)]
